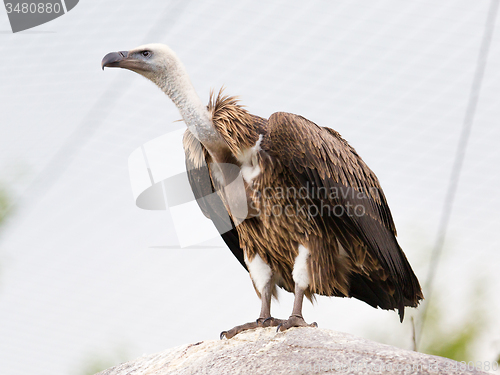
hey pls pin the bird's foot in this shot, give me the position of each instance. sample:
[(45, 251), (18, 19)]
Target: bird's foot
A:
[(294, 321), (259, 323), (270, 322)]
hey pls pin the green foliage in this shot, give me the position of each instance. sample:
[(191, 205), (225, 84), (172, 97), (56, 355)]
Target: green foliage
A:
[(456, 342), (99, 362), (457, 346), (97, 365), (4, 204)]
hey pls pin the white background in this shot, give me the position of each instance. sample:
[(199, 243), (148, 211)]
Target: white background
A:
[(85, 273)]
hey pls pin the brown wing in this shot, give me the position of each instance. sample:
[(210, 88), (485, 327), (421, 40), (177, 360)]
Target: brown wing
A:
[(318, 159), (197, 161)]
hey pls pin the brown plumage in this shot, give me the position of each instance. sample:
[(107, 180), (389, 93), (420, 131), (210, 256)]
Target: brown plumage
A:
[(316, 219), (374, 269)]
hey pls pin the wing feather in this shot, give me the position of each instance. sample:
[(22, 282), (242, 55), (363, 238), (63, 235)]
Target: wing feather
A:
[(317, 157), (197, 162)]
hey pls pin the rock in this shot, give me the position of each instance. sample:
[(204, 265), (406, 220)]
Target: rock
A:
[(296, 351)]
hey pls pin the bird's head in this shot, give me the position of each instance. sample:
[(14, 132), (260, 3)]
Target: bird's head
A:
[(160, 64), (156, 62)]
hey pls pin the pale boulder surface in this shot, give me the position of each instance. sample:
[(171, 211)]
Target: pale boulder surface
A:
[(296, 351)]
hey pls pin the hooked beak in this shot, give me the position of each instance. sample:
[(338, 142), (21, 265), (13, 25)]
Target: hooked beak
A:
[(115, 60)]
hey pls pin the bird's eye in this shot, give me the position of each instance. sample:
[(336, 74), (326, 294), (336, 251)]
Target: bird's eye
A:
[(146, 53)]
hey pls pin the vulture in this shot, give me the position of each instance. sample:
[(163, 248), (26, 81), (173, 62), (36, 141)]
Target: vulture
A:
[(307, 215)]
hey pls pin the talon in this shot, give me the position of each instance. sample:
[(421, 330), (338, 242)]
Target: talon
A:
[(295, 320), (265, 320), (260, 321), (279, 326), (223, 335)]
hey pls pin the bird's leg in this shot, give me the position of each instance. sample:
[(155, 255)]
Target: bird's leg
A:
[(265, 319), (265, 297), (296, 319)]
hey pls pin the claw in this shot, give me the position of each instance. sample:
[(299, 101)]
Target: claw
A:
[(259, 323), (279, 326), (294, 321)]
